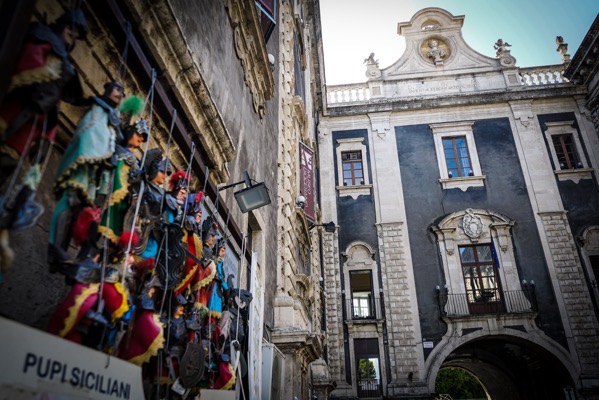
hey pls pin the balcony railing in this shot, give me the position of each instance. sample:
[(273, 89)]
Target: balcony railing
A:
[(365, 309), (487, 302), (369, 388)]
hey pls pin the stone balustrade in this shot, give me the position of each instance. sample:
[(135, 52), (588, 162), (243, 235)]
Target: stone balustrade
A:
[(340, 95), (547, 75)]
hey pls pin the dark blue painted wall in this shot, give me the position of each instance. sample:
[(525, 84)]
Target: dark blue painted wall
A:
[(356, 219), (581, 199), (504, 192)]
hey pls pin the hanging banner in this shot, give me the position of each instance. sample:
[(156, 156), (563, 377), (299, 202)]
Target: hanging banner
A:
[(307, 180), (38, 365)]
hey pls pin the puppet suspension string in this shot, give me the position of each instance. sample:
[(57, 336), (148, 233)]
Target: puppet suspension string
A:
[(188, 174), (165, 236), (122, 70), (142, 187)]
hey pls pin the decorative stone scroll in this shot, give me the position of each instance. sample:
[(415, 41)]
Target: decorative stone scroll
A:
[(251, 50)]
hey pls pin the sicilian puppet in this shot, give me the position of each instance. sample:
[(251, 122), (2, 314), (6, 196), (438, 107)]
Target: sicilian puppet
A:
[(197, 275), (83, 176), (127, 175), (43, 76), (150, 216), (218, 287), (146, 337), (209, 231), (176, 198), (97, 308), (231, 339), (163, 370), (171, 254)]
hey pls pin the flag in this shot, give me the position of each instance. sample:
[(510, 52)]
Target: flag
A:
[(494, 253)]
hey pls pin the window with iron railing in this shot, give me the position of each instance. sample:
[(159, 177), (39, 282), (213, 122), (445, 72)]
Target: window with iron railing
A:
[(481, 277), (361, 305)]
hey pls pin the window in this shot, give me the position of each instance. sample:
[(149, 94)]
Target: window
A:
[(565, 151), (479, 264), (480, 278), (352, 168), (361, 292), (267, 14), (457, 158)]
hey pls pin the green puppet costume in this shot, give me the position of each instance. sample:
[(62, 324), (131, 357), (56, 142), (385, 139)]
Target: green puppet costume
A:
[(84, 170), (126, 176)]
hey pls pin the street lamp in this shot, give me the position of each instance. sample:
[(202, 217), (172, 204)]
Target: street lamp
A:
[(329, 227), (252, 197)]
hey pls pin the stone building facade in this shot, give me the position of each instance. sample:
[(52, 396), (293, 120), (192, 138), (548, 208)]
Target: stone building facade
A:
[(242, 77), (583, 70), (465, 192)]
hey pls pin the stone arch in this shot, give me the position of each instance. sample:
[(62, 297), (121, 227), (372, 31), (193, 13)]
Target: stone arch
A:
[(359, 251), (537, 348)]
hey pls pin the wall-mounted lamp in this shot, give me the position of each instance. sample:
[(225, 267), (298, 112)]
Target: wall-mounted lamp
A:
[(329, 227), (301, 201), (252, 197)]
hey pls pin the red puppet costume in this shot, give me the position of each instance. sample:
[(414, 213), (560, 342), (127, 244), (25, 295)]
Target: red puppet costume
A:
[(196, 274), (43, 76)]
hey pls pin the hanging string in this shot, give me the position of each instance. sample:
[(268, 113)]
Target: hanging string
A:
[(15, 174), (106, 210), (122, 70), (165, 236), (142, 187), (188, 173)]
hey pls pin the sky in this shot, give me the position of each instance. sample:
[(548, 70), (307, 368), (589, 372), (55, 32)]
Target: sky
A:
[(352, 29)]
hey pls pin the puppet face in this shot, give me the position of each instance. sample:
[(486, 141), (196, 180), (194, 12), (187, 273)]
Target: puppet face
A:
[(199, 217), (116, 95), (221, 252), (159, 178), (179, 311), (135, 140), (181, 195), (70, 36)]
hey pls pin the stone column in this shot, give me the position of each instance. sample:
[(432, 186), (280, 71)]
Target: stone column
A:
[(406, 359), (572, 296)]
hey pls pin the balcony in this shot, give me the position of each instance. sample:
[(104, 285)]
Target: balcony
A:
[(484, 302), (363, 309)]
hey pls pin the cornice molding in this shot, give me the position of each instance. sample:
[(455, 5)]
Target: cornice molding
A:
[(156, 20)]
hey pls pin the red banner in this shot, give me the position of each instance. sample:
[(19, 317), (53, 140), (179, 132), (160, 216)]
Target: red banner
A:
[(307, 180)]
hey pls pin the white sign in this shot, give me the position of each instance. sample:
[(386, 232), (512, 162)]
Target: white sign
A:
[(428, 345), (44, 366)]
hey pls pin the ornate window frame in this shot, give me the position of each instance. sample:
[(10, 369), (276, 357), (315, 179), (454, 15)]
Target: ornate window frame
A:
[(566, 128), (451, 129), (353, 144), (473, 226)]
